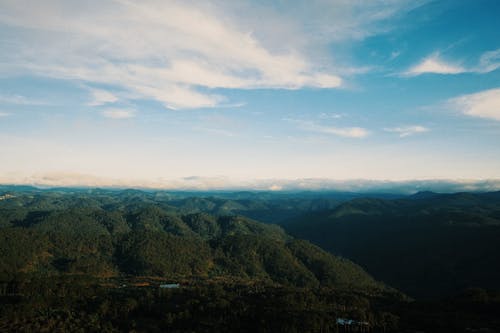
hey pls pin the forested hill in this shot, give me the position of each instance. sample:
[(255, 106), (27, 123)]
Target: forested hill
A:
[(76, 260), (108, 234), (427, 245)]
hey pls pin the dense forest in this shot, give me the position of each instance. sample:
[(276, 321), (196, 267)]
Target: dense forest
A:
[(152, 261), (427, 245), (105, 236)]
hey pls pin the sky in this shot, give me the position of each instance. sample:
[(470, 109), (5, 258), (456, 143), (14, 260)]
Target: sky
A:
[(258, 94)]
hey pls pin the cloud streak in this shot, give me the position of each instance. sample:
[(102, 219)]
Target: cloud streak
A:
[(484, 104), (177, 53), (101, 97), (434, 64), (405, 131), (489, 62), (346, 132), (164, 51), (118, 113), (19, 100)]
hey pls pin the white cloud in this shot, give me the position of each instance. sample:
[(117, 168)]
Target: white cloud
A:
[(433, 64), (101, 97), (118, 113), (157, 50), (394, 55), (176, 52), (4, 114), (407, 130), (275, 187), (325, 115), (20, 100), (484, 104), (488, 62), (347, 132)]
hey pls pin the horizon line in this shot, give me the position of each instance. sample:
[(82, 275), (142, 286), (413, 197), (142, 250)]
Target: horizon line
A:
[(223, 184)]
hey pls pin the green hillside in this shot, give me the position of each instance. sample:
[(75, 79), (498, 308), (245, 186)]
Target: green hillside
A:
[(107, 235), (74, 260)]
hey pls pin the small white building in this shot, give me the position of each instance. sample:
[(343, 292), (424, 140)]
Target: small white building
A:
[(170, 286)]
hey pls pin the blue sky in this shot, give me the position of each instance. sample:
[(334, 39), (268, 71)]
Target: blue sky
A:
[(249, 93)]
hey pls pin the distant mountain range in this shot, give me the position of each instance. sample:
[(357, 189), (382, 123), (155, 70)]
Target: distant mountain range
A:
[(265, 206), (209, 185)]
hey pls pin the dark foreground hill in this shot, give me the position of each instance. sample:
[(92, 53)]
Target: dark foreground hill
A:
[(427, 245)]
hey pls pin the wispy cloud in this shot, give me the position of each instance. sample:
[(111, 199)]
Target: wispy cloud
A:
[(394, 55), (347, 132), (118, 113), (176, 52), (434, 64), (405, 131), (20, 100), (328, 115), (4, 114), (156, 50), (101, 97), (484, 104), (488, 62)]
